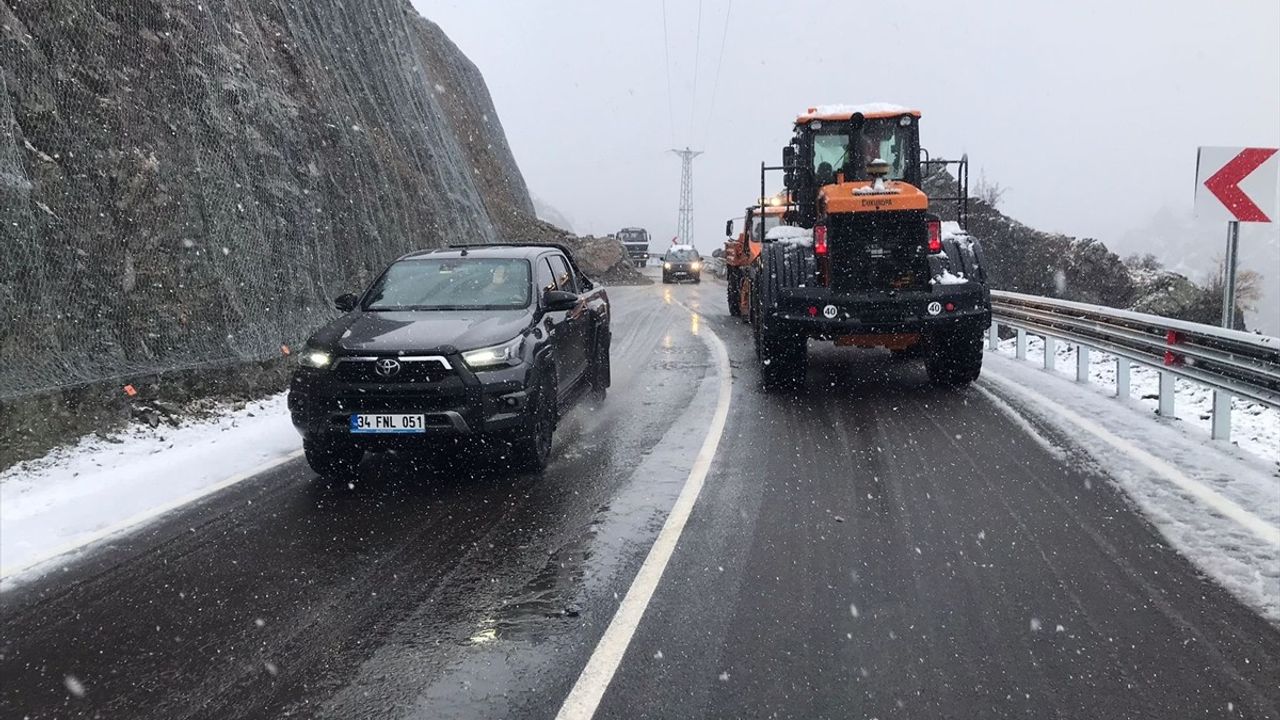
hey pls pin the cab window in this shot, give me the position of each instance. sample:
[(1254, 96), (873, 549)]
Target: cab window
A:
[(543, 278), (565, 279)]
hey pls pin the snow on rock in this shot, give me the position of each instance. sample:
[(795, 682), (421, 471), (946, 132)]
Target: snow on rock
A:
[(790, 234), (72, 495)]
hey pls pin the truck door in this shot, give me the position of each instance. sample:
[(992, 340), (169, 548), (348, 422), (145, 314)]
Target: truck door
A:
[(572, 350)]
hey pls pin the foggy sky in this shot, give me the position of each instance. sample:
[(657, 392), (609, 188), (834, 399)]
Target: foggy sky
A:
[(1088, 113)]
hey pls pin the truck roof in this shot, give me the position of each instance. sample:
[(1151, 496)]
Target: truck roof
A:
[(844, 112), (496, 250)]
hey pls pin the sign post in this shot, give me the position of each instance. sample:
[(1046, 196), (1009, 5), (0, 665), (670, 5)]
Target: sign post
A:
[(1237, 185)]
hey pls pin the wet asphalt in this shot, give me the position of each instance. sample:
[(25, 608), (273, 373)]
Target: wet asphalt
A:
[(866, 547)]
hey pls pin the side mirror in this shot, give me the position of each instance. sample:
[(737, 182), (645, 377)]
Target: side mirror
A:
[(788, 156), (346, 302), (728, 228), (559, 300)]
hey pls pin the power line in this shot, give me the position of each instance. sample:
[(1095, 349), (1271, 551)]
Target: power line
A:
[(697, 49), (666, 50), (715, 86)]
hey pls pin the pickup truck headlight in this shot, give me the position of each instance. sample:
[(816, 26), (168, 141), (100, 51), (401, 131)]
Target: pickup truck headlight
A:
[(315, 359), (505, 355)]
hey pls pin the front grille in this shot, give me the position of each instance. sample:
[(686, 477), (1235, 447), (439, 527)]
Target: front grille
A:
[(367, 403), (410, 371), (878, 251)]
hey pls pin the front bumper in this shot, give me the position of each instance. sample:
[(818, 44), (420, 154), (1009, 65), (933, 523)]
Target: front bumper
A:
[(819, 313), (465, 403)]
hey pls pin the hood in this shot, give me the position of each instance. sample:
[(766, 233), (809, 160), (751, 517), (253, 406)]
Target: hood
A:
[(430, 331)]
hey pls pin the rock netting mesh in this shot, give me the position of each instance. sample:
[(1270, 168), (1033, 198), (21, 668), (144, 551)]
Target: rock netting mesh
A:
[(188, 183)]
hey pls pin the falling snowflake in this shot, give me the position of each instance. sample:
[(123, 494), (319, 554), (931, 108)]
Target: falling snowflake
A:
[(74, 686), (1035, 624), (853, 610), (724, 677)]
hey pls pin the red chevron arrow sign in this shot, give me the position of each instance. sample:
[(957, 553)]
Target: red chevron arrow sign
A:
[(1237, 184)]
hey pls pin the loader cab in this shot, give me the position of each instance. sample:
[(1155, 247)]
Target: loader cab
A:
[(836, 145)]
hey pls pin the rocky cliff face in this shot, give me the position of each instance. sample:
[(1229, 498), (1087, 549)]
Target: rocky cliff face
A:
[(186, 184)]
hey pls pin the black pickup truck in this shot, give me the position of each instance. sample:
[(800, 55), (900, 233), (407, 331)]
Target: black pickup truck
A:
[(488, 341)]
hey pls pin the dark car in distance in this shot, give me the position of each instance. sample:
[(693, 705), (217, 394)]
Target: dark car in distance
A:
[(682, 262), (485, 341)]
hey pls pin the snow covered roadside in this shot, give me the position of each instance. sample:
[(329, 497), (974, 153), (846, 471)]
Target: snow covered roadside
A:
[(1216, 504), (1254, 426), (85, 492)]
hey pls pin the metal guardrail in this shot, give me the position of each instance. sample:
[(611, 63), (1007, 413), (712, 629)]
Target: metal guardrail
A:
[(1232, 363)]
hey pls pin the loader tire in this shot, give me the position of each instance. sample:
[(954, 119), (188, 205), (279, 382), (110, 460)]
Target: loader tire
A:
[(781, 347), (954, 356)]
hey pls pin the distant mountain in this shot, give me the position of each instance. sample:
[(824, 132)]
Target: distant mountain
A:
[(547, 213)]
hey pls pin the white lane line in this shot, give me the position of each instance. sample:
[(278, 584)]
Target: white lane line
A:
[(1196, 489), (598, 673), (147, 515)]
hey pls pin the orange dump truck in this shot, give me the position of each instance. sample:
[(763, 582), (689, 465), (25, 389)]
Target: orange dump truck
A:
[(742, 249)]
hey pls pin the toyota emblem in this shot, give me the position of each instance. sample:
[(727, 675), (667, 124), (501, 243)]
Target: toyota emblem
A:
[(387, 367)]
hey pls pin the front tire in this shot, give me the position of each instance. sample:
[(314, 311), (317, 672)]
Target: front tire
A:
[(331, 458), (732, 295), (533, 448)]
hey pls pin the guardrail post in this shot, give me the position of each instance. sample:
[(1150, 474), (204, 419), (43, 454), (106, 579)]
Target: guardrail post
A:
[(1082, 363), (993, 336), (1221, 426), (1050, 352), (1122, 377), (1166, 394), (1020, 350)]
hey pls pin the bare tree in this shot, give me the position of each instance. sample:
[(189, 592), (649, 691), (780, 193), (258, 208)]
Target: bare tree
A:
[(1248, 289), (989, 192)]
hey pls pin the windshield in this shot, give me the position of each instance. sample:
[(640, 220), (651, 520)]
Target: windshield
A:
[(452, 284), (770, 222), (633, 236), (682, 255), (882, 138)]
